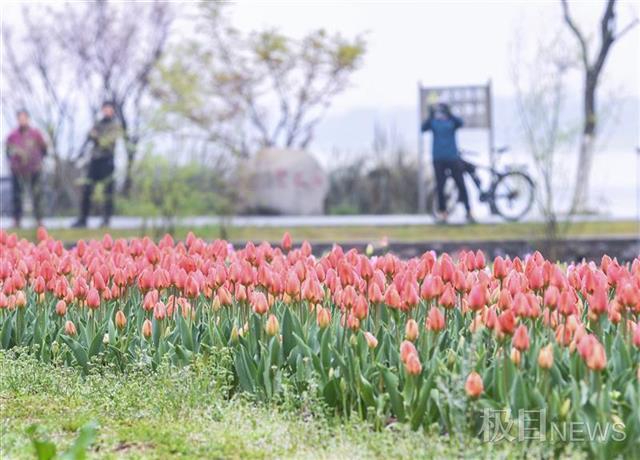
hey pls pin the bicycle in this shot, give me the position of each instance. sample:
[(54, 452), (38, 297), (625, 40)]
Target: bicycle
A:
[(510, 193)]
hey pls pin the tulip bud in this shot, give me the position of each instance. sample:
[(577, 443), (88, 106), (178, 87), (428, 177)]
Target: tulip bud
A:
[(369, 250), (61, 308), (287, 241), (235, 335), (545, 357), (272, 327), (372, 342), (636, 335), (515, 356), (411, 330), (105, 339), (323, 317), (121, 320), (21, 299), (564, 409), (474, 386), (70, 328), (146, 328)]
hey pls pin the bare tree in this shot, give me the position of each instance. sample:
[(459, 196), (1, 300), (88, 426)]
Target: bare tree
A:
[(592, 67), (33, 79), (71, 57), (119, 47), (540, 85), (272, 87)]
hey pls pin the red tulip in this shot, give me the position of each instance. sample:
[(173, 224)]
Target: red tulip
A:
[(435, 320), (160, 311), (551, 296), (392, 297), (70, 329), (287, 242), (520, 339), (407, 348), (597, 359), (259, 303), (477, 297), (598, 301), (61, 308), (506, 322), (474, 385), (567, 303), (448, 297), (412, 365), (499, 268)]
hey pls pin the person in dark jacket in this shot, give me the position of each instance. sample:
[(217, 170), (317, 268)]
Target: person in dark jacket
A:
[(103, 137), (26, 149), (446, 156)]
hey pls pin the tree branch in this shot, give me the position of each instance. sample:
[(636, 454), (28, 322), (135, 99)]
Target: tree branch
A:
[(584, 51)]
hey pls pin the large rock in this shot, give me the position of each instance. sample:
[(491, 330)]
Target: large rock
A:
[(283, 181)]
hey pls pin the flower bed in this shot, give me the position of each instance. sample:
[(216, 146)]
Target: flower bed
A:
[(455, 343)]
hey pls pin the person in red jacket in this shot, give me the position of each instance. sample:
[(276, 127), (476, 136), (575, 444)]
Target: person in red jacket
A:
[(26, 148)]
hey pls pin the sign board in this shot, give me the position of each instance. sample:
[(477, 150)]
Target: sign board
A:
[(471, 103)]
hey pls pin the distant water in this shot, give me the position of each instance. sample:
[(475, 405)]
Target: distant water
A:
[(614, 185)]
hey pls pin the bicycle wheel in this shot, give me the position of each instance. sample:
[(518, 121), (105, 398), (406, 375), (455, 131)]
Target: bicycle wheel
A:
[(513, 195)]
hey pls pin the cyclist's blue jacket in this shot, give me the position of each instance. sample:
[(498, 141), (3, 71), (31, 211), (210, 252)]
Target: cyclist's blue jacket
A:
[(444, 137)]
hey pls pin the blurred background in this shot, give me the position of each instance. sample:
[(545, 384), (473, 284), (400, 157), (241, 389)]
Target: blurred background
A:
[(256, 114)]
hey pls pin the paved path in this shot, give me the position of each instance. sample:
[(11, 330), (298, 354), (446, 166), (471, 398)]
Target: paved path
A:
[(125, 222)]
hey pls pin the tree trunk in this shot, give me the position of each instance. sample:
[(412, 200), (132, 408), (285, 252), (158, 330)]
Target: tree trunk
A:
[(585, 155)]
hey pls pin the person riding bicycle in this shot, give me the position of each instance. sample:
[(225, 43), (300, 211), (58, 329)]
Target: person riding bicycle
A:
[(446, 156)]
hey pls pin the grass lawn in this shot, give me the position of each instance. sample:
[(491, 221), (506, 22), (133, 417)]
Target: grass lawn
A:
[(188, 413), (503, 231)]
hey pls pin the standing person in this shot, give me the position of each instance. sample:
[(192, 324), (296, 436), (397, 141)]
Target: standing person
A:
[(446, 156), (103, 137), (26, 149)]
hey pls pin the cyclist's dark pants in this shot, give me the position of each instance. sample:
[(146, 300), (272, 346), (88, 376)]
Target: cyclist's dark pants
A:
[(455, 169), (100, 170), (18, 182)]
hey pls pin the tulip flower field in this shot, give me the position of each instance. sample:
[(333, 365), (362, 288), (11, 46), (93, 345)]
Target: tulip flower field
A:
[(437, 341)]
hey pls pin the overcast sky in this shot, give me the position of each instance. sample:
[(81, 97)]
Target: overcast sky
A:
[(435, 42), (440, 42)]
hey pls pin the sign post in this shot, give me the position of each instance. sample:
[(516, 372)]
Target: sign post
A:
[(471, 103), (422, 190)]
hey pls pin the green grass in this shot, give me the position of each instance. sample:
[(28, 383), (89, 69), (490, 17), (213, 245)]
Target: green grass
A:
[(505, 231), (188, 413)]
